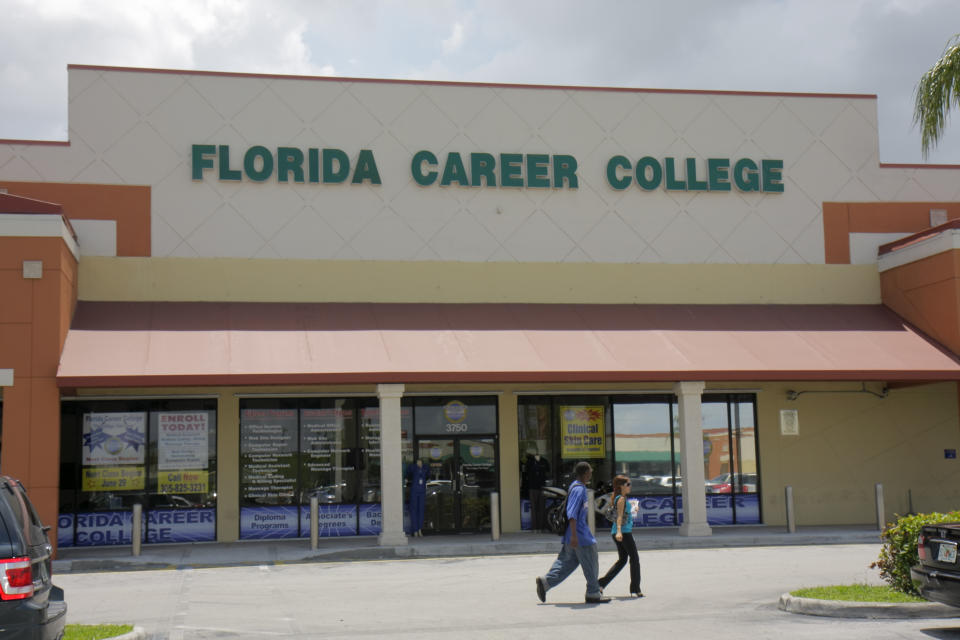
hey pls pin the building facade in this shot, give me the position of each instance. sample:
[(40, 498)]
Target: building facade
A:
[(231, 294)]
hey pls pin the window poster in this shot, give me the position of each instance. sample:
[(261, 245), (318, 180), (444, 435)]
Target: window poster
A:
[(268, 452), (114, 451), (333, 520), (658, 511), (370, 432), (582, 432), (371, 520), (183, 447), (325, 448), (102, 528), (181, 525), (259, 523)]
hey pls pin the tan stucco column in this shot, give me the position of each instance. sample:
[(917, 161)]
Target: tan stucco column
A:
[(691, 448), (391, 465), (228, 465), (509, 464)]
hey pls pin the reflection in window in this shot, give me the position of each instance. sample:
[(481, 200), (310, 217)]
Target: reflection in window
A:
[(645, 448)]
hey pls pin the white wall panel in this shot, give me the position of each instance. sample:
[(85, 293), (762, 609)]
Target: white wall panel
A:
[(130, 127)]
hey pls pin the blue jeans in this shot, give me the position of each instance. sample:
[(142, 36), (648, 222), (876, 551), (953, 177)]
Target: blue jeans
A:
[(568, 560)]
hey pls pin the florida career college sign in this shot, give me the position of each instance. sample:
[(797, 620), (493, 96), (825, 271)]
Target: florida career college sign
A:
[(482, 169)]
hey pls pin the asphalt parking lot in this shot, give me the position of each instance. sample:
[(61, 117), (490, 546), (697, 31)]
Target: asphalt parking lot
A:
[(690, 593)]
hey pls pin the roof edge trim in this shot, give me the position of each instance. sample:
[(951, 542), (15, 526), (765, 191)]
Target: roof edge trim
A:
[(452, 83)]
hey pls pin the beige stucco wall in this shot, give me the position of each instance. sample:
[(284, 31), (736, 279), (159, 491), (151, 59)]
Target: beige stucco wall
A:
[(234, 280), (848, 442)]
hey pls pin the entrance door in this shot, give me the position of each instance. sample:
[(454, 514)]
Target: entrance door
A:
[(463, 474)]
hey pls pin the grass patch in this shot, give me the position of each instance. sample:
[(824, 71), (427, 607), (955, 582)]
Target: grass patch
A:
[(856, 593), (95, 631)]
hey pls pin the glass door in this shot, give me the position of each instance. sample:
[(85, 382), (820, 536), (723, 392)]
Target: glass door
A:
[(477, 480), (463, 474), (441, 504)]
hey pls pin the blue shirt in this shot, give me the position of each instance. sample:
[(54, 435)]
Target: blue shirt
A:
[(627, 525), (577, 508)]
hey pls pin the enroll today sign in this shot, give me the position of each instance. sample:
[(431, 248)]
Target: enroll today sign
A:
[(481, 169)]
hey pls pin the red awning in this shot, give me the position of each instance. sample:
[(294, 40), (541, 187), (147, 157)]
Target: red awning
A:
[(122, 344)]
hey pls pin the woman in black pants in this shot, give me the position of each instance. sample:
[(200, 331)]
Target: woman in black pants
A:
[(622, 536)]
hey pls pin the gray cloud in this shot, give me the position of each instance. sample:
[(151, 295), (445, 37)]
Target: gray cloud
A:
[(853, 46)]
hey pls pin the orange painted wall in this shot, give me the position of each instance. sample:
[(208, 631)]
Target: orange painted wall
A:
[(926, 293), (34, 326), (129, 206), (32, 332), (840, 219)]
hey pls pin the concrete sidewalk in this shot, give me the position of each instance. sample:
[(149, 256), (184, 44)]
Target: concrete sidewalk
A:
[(267, 552)]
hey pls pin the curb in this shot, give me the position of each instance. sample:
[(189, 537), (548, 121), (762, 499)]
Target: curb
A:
[(869, 610), (137, 634)]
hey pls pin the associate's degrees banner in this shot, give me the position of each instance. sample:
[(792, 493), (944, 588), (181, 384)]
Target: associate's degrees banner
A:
[(258, 523), (335, 520), (182, 440), (114, 438), (582, 432)]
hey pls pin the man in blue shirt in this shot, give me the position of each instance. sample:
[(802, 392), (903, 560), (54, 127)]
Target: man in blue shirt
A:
[(579, 545)]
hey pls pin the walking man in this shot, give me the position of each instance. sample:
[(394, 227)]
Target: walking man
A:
[(579, 545)]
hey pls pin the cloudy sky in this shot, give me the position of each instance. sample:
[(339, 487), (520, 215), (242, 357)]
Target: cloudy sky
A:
[(826, 46)]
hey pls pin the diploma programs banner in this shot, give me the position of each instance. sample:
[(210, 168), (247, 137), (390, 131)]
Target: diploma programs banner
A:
[(259, 523)]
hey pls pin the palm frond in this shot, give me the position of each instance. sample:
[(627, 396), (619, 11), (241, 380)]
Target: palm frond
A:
[(937, 91)]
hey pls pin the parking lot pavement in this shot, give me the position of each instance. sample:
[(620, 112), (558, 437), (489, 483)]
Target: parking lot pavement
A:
[(690, 593), (210, 554)]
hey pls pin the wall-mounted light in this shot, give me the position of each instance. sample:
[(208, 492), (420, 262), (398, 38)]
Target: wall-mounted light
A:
[(884, 391)]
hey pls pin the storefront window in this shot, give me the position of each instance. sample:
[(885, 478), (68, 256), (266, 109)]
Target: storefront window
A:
[(643, 443), (563, 430), (159, 454), (294, 450), (729, 460)]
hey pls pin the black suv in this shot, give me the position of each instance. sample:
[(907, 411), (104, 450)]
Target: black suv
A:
[(30, 606), (937, 575)]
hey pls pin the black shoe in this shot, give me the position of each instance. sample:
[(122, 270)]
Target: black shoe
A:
[(541, 590), (596, 599), (636, 594)]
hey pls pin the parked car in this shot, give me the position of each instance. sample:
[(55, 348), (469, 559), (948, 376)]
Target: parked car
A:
[(670, 481), (937, 576), (730, 482), (31, 607)]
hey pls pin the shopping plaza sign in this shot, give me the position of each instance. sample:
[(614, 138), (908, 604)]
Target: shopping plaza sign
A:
[(480, 169)]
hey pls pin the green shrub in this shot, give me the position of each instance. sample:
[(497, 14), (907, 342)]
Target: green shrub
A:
[(899, 550)]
